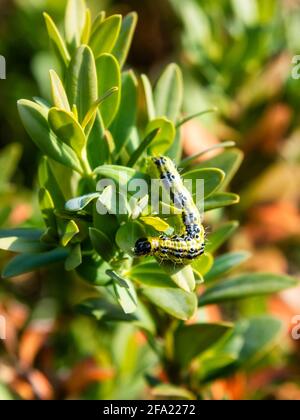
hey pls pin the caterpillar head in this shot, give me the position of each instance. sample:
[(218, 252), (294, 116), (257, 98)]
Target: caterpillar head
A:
[(142, 247)]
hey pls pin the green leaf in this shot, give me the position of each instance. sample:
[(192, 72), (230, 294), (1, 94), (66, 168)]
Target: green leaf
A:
[(175, 151), (25, 263), (109, 76), (91, 115), (212, 179), (107, 223), (42, 102), (127, 235), (199, 337), (74, 259), (4, 215), (251, 340), (189, 160), (93, 270), (105, 311), (59, 96), (49, 236), (11, 153), (67, 129), (219, 200), (70, 229), (170, 392), (19, 244), (102, 244), (47, 208), (98, 20), (143, 147), (176, 302), (203, 264), (122, 46), (86, 32), (228, 161), (220, 235), (64, 177), (47, 177), (120, 174), (97, 144), (181, 275), (184, 278), (5, 393), (246, 285), (225, 263), (168, 93), (35, 121), (259, 334), (156, 222), (56, 40), (79, 203), (74, 22), (164, 137), (151, 274), (149, 100), (103, 39), (246, 12), (214, 365), (125, 119), (82, 84), (22, 233), (124, 291)]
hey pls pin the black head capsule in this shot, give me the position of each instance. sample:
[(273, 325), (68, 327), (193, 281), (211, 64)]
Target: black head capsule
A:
[(142, 247)]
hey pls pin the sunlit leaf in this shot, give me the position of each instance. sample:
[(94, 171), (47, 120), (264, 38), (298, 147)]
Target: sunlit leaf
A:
[(122, 46), (57, 42), (246, 285), (35, 120), (59, 96), (220, 200), (74, 22), (67, 129), (174, 301), (82, 84), (104, 37)]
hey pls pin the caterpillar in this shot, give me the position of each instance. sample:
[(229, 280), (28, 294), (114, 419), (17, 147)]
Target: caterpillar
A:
[(189, 244)]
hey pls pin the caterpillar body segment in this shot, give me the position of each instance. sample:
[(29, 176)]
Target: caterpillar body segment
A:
[(189, 244)]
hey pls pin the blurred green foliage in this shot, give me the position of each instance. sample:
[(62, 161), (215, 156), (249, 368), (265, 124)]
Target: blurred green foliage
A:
[(227, 54)]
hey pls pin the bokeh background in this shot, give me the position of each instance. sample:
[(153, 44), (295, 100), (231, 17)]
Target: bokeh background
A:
[(236, 56)]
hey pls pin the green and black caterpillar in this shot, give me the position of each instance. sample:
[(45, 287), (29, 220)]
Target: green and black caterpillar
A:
[(189, 244)]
